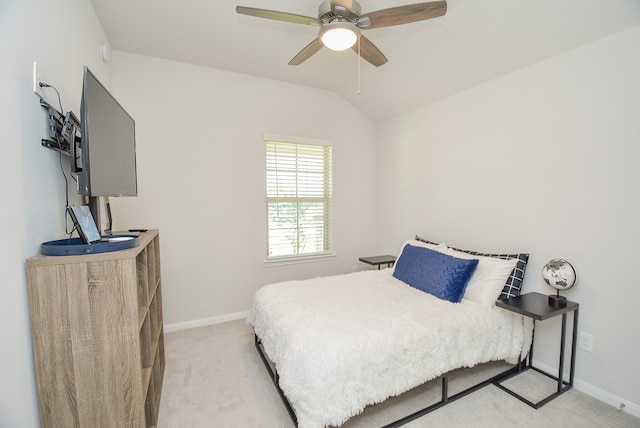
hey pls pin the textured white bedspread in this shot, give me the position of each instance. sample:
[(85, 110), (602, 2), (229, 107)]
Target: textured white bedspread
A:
[(341, 343)]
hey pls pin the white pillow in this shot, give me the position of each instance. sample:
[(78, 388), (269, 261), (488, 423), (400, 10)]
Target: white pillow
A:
[(488, 280)]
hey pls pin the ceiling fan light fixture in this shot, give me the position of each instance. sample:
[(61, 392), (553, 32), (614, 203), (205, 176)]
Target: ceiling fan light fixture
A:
[(339, 36)]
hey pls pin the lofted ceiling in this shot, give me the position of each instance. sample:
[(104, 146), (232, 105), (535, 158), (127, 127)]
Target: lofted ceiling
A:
[(476, 41)]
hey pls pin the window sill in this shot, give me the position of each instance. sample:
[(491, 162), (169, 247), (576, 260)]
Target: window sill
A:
[(304, 258)]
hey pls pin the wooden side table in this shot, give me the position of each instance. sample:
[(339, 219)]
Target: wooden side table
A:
[(379, 260), (536, 306)]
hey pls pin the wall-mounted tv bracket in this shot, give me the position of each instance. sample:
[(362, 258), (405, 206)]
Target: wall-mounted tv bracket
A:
[(64, 134)]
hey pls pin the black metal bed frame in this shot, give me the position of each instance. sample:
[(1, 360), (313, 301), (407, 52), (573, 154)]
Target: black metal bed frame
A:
[(445, 399)]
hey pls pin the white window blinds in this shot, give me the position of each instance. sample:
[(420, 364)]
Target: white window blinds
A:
[(299, 200)]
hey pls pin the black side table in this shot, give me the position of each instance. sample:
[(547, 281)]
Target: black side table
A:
[(379, 260), (536, 306)]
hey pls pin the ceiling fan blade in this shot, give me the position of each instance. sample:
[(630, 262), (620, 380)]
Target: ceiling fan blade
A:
[(306, 52), (278, 16), (406, 14), (370, 52)]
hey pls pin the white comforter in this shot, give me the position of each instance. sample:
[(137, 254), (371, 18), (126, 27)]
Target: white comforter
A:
[(341, 343)]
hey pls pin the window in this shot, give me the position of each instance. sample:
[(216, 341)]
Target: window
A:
[(298, 199)]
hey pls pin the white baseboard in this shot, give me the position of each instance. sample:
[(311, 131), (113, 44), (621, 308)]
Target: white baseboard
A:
[(595, 392), (168, 328)]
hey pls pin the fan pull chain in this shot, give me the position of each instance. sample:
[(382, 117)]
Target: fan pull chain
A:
[(359, 60)]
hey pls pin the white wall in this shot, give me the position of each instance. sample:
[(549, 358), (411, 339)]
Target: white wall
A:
[(201, 178), (32, 184), (544, 160)]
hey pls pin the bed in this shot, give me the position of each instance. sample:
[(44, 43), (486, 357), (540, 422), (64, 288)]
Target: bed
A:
[(338, 344)]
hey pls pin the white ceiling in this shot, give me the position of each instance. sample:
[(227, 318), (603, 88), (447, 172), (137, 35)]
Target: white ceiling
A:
[(476, 41)]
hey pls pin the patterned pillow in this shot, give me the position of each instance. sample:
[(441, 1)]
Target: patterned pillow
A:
[(513, 286), (418, 238)]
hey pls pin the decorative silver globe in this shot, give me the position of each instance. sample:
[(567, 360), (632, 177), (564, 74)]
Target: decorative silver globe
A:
[(561, 275)]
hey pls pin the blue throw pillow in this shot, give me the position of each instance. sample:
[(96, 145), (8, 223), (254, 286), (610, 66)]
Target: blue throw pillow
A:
[(441, 275)]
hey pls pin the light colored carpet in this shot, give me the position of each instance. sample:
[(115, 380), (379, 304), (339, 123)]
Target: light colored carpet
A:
[(214, 377)]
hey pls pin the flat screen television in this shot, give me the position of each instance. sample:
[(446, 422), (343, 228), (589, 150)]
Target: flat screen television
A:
[(107, 147)]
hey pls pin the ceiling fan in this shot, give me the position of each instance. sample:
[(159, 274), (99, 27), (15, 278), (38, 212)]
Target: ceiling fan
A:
[(340, 22)]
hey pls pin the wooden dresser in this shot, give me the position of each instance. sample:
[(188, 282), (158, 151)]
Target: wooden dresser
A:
[(96, 323)]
